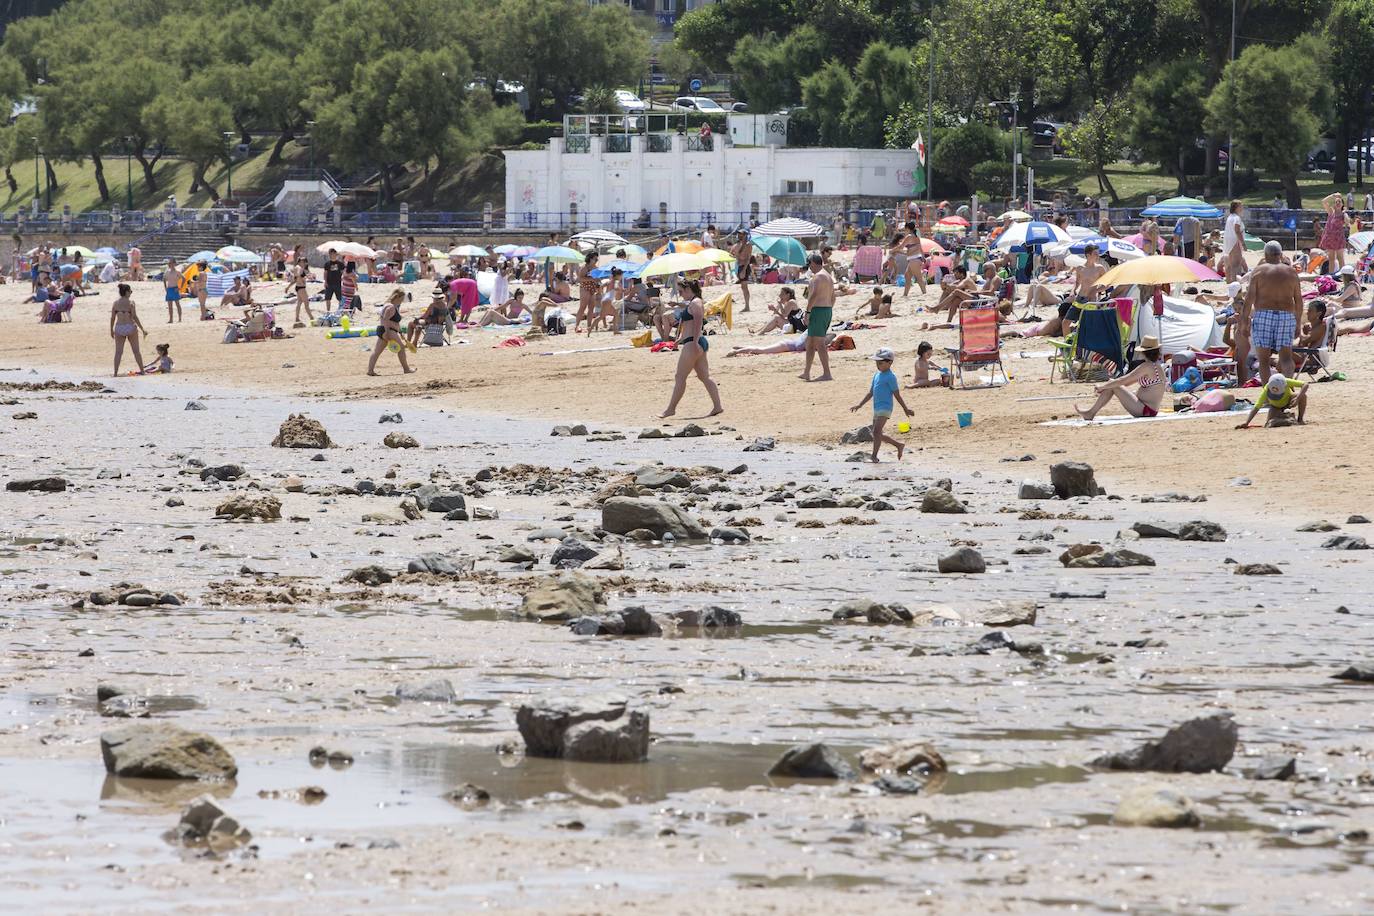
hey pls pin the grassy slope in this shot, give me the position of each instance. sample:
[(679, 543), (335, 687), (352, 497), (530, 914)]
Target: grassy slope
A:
[(1134, 183)]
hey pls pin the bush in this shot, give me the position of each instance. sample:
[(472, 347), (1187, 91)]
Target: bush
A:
[(991, 180), (961, 148), (541, 131)]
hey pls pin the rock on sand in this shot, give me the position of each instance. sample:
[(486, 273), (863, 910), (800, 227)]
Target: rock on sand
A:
[(299, 431), (164, 751)]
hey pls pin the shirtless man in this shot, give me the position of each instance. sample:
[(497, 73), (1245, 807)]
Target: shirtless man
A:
[(1274, 302), (1086, 277), (276, 257), (171, 281), (135, 263), (820, 308)]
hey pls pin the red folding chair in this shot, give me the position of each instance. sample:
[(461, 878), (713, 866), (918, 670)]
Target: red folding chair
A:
[(868, 263), (979, 344)]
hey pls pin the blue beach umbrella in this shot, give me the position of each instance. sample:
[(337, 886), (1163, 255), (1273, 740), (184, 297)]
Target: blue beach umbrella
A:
[(781, 247), (1175, 207)]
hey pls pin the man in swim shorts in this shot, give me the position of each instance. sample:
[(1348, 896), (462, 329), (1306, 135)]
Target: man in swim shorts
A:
[(1274, 301), (820, 308), (171, 279)]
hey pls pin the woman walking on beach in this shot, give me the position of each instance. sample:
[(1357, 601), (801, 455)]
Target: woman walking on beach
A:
[(692, 345), (300, 272), (1333, 235), (125, 326), (389, 332), (588, 293)]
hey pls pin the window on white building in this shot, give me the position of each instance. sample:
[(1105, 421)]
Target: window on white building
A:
[(798, 187)]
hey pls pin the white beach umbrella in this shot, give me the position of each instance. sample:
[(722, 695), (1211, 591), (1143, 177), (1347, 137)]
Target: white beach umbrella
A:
[(791, 226)]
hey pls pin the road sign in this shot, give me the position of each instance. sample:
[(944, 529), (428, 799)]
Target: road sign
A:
[(695, 85), (1291, 223)]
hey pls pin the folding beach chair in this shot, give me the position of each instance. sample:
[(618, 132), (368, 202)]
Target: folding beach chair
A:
[(868, 263), (1316, 361), (979, 345), (1096, 340)]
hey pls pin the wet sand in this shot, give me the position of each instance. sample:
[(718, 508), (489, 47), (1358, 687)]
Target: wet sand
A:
[(1020, 822)]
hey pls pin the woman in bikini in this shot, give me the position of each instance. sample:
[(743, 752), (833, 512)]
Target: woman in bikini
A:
[(200, 287), (125, 326), (389, 332), (588, 293), (611, 295), (1148, 397), (692, 345), (300, 271)]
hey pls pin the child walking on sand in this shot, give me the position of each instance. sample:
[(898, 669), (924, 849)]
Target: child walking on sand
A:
[(884, 389)]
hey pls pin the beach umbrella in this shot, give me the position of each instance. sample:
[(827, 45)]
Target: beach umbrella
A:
[(469, 251), (1016, 216), (1252, 242), (559, 254), (719, 255), (955, 220), (1083, 232), (506, 249), (237, 254), (681, 246), (199, 256), (1035, 232), (792, 227), (598, 238), (1158, 269), (781, 248), (675, 263), (1175, 207), (628, 268), (524, 251), (1360, 241), (106, 249), (930, 246), (634, 251), (335, 244), (1116, 248)]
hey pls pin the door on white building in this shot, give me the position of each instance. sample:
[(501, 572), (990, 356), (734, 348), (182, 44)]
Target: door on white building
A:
[(617, 204)]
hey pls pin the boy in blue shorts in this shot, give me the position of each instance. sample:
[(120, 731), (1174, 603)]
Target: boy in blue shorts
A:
[(884, 389)]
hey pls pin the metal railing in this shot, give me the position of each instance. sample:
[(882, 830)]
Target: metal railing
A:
[(577, 144), (618, 143), (660, 143)]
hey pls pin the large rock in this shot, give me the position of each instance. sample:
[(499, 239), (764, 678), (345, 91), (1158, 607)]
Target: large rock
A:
[(433, 499), (1197, 746), (433, 563), (222, 472), (1111, 559), (1072, 478), (1034, 489), (400, 440), (1013, 613), (164, 751), (37, 485), (1201, 530), (901, 757), (245, 506), (564, 598), (812, 761), (626, 740), (371, 575), (1257, 569), (299, 431), (438, 691), (623, 514), (655, 478), (1156, 805), (940, 500), (204, 822), (550, 727), (570, 553), (963, 560)]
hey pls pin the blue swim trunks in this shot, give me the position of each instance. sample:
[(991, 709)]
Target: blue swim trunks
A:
[(173, 294)]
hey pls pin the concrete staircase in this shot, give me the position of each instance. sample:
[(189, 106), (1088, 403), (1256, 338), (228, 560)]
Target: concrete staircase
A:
[(178, 241)]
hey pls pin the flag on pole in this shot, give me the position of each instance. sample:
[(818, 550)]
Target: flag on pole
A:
[(918, 183)]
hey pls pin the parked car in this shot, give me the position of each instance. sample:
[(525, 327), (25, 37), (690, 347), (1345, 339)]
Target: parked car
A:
[(1046, 133), (697, 103), (629, 101), (1352, 158), (739, 106)]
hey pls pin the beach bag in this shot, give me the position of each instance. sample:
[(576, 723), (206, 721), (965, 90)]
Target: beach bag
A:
[(554, 325), (434, 335), (843, 342), (232, 333)]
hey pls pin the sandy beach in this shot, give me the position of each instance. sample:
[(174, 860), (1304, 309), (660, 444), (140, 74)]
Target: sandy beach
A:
[(273, 652)]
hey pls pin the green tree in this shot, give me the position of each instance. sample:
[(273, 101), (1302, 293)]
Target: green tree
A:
[(1167, 106), (1349, 35), (600, 100), (195, 125), (710, 32), (1097, 139), (883, 81), (826, 94), (12, 89), (959, 149), (1264, 100), (769, 72)]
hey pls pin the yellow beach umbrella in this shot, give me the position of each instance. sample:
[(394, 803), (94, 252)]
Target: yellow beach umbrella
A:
[(718, 256), (676, 263), (1156, 270)]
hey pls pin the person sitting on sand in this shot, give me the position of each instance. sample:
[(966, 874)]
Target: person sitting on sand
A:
[(1279, 394), (922, 376), (1148, 376), (640, 305), (1313, 334), (436, 313), (506, 314), (1348, 299), (874, 305), (958, 289), (163, 364), (233, 295), (786, 314)]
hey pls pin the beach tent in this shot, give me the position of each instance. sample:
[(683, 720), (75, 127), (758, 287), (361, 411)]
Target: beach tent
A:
[(1186, 325), (218, 284)]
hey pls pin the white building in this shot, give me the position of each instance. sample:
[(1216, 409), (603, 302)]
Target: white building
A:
[(606, 181)]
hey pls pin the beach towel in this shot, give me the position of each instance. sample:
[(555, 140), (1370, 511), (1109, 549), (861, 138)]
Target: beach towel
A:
[(724, 306), (1117, 421), (509, 342), (664, 346), (643, 340)]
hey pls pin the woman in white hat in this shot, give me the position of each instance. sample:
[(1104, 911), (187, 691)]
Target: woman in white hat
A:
[(1347, 301), (1148, 376)]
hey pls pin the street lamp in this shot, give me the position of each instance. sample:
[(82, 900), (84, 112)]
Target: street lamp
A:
[(1015, 108), (129, 174), (310, 129), (228, 139)]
